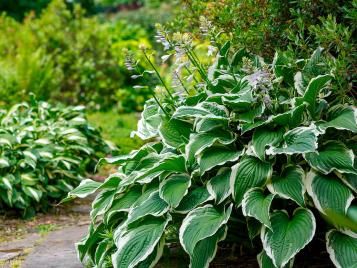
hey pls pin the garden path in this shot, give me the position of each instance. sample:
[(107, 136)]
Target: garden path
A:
[(48, 248)]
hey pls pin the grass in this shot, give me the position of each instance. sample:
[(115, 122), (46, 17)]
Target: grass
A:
[(116, 128)]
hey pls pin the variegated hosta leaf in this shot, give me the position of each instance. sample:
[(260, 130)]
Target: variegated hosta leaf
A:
[(193, 199), (264, 261), (333, 155), (201, 110), (217, 156), (200, 141), (173, 163), (102, 203), (85, 188), (297, 140), (263, 137), (154, 257), (136, 243), (340, 117), (201, 223), (174, 188), (287, 235), (290, 184), (123, 202), (219, 185), (174, 132), (328, 193), (257, 205), (206, 249), (32, 192), (342, 249), (250, 172), (313, 89), (148, 125), (152, 205)]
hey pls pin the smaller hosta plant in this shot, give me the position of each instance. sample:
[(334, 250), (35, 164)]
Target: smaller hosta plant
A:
[(251, 151), (45, 151)]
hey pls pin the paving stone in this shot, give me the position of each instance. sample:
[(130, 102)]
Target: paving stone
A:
[(57, 249)]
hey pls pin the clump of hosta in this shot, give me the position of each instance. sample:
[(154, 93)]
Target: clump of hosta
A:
[(44, 152), (266, 144)]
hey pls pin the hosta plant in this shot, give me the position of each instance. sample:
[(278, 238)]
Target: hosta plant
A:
[(45, 151), (253, 151)]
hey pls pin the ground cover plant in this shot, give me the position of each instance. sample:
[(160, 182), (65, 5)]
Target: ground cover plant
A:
[(45, 151), (245, 152)]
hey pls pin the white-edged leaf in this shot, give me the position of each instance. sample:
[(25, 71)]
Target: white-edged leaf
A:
[(297, 140), (193, 199), (85, 188), (174, 133), (217, 156), (219, 185), (136, 243), (313, 89), (342, 249), (200, 141), (174, 188), (32, 192), (263, 137), (340, 117), (257, 205), (288, 235), (201, 223), (328, 193), (290, 184), (153, 205), (250, 172), (206, 249), (333, 155)]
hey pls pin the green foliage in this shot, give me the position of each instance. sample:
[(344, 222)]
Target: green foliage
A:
[(263, 27), (45, 151), (79, 58), (272, 145)]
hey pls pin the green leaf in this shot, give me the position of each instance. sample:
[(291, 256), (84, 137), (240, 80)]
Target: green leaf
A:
[(152, 205), (264, 261), (263, 137), (174, 132), (206, 249), (201, 223), (290, 184), (257, 205), (219, 186), (102, 203), (332, 156), (193, 199), (250, 172), (154, 257), (217, 156), (313, 89), (287, 236), (200, 141), (32, 192), (85, 188), (342, 249), (136, 243), (174, 188), (122, 202), (296, 141), (340, 117), (328, 193)]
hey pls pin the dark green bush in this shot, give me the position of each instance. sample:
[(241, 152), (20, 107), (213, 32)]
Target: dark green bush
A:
[(263, 27)]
